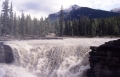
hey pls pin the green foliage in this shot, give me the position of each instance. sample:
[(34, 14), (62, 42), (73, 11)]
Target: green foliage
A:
[(25, 26), (5, 18), (61, 22), (87, 27)]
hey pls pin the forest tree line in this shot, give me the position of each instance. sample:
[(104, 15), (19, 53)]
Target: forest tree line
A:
[(88, 27), (25, 26)]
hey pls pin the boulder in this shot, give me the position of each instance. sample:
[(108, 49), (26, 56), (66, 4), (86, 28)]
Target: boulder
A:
[(105, 60), (6, 54)]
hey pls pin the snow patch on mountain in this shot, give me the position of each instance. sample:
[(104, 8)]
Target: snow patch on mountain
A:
[(70, 8), (75, 7), (116, 10)]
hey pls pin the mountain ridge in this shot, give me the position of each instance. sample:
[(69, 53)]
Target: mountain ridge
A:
[(76, 11), (116, 10)]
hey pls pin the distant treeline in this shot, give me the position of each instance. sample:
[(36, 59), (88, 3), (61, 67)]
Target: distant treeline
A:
[(25, 26), (89, 27), (22, 26)]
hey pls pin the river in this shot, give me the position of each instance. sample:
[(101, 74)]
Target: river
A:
[(66, 57)]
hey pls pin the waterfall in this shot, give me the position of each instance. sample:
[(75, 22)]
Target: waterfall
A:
[(49, 58)]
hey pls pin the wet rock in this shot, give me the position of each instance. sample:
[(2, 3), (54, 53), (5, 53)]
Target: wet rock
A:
[(6, 55), (105, 60), (2, 56)]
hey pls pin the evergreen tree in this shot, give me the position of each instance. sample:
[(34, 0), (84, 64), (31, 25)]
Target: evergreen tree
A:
[(28, 24), (22, 25), (61, 22), (0, 24), (75, 27), (71, 28), (50, 28), (35, 28), (15, 25), (11, 19), (5, 18), (42, 27), (57, 27), (66, 28), (84, 26)]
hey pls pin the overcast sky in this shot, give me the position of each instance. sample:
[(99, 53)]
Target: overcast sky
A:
[(43, 8)]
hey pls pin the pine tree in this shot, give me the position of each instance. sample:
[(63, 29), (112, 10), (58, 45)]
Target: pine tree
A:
[(61, 22), (11, 19), (5, 18), (42, 27), (75, 27), (22, 25), (57, 26), (50, 28), (47, 25), (35, 27), (66, 28), (15, 26), (0, 24), (28, 24), (69, 26)]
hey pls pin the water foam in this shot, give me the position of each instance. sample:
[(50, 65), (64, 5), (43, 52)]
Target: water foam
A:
[(50, 58)]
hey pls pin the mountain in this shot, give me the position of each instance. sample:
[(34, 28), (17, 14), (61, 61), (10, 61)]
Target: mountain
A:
[(116, 10), (75, 11), (66, 12), (69, 9)]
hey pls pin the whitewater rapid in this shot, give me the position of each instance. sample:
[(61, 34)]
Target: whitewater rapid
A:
[(66, 57)]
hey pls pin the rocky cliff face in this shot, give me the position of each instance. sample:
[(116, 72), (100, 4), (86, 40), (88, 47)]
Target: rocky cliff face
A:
[(6, 55), (105, 60)]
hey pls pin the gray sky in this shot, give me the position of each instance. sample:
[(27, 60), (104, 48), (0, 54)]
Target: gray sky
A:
[(43, 8)]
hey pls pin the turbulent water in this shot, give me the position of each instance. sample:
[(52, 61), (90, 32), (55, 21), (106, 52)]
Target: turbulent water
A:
[(50, 58)]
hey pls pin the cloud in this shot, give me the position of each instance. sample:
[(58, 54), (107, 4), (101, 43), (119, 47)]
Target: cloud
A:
[(40, 8), (105, 4), (30, 6), (36, 7)]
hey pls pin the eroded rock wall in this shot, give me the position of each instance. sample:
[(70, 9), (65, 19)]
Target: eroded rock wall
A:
[(105, 60), (6, 55)]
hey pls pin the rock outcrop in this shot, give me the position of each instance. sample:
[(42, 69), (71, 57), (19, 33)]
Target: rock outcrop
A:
[(6, 55), (105, 60)]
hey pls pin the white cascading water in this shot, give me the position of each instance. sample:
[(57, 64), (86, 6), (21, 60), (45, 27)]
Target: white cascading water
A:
[(50, 58)]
